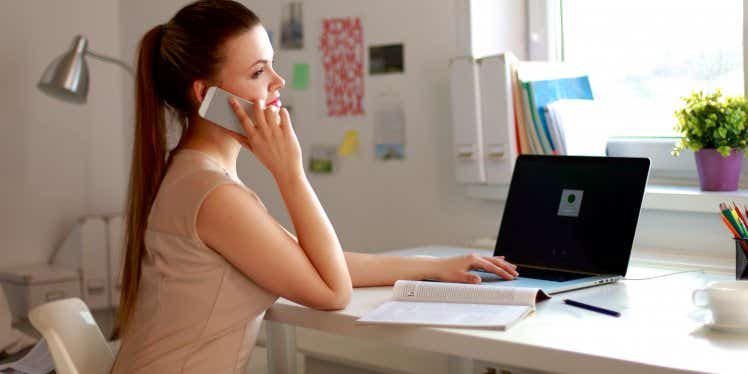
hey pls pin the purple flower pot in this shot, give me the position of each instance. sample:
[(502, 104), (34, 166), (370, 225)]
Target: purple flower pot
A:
[(716, 172)]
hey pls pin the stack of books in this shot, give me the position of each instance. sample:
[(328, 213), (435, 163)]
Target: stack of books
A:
[(548, 99)]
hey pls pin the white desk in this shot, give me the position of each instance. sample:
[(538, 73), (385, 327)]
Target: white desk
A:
[(658, 332)]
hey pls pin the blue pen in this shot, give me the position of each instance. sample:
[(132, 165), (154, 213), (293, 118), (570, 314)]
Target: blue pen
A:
[(592, 308)]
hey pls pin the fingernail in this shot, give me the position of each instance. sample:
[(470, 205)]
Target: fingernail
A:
[(262, 103), (232, 101)]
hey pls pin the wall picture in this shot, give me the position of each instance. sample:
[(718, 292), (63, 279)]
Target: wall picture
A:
[(342, 47), (389, 128), (386, 59), (292, 28), (322, 159)]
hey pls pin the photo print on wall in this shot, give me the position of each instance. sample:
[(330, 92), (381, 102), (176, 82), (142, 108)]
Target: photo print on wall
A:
[(292, 27), (386, 59), (322, 158)]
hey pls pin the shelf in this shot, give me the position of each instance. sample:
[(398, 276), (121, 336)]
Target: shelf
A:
[(657, 197)]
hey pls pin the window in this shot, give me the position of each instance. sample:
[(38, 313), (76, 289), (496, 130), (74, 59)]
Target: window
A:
[(643, 55)]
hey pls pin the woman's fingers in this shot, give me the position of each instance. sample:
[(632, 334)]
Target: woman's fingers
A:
[(468, 277), (500, 262), (259, 108), (489, 266), (272, 117), (285, 122)]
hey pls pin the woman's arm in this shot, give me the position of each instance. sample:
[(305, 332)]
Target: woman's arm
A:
[(382, 270), (311, 270), (370, 270)]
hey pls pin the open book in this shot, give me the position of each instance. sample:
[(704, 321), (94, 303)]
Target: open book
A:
[(455, 305)]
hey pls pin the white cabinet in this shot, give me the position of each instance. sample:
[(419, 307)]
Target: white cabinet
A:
[(466, 120), (497, 117), (485, 144)]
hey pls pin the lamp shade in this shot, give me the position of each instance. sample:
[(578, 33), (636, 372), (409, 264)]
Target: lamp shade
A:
[(66, 78)]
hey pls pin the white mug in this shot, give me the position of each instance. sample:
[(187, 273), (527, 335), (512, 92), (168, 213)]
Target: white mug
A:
[(727, 300)]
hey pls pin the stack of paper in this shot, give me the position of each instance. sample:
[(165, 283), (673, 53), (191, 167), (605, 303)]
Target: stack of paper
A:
[(581, 124), (37, 361)]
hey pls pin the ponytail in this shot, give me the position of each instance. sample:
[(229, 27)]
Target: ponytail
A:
[(147, 169), (170, 58)]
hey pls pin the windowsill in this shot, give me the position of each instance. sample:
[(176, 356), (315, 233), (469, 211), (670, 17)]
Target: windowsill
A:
[(656, 197)]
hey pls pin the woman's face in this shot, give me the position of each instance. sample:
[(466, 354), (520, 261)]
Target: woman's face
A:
[(248, 71)]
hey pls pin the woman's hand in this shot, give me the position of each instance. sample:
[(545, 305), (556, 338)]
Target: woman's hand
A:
[(271, 138), (457, 269)]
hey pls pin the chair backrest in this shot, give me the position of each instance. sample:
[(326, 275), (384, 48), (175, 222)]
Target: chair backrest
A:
[(73, 337)]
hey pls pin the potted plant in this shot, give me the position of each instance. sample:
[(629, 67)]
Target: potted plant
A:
[(715, 128)]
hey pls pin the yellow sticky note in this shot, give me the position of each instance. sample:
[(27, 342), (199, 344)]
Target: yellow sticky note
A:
[(349, 146)]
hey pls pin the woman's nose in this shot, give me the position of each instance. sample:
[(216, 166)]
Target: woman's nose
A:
[(278, 83)]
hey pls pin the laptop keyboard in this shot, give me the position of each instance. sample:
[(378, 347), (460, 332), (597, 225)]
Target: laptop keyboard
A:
[(546, 274)]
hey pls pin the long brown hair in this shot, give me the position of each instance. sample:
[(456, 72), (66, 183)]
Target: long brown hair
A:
[(171, 57)]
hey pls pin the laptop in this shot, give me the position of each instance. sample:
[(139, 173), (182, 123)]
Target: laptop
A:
[(569, 221)]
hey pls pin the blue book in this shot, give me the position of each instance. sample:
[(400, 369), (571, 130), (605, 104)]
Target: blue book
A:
[(544, 92)]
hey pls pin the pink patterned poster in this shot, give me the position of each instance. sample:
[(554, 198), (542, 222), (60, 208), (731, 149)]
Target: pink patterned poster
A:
[(342, 46)]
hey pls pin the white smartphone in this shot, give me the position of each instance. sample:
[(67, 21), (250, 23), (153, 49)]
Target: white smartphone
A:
[(216, 108)]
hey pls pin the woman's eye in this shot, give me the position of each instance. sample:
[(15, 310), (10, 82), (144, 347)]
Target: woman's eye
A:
[(257, 73)]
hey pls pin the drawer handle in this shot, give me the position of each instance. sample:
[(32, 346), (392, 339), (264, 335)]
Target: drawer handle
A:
[(495, 152), (496, 155), (54, 295), (466, 152), (96, 290), (465, 155)]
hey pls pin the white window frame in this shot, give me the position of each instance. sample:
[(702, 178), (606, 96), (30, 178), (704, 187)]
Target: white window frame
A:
[(545, 43)]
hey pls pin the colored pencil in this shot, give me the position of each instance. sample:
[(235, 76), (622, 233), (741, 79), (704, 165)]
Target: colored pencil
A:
[(729, 221)]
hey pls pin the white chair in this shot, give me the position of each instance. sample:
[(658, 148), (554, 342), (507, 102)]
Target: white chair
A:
[(73, 337)]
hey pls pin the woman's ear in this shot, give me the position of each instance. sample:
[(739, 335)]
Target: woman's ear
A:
[(199, 87)]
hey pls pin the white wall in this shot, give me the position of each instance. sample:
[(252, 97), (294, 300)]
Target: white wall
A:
[(373, 205), (59, 161), (693, 233), (496, 27)]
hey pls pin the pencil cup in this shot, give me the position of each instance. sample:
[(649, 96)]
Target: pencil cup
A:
[(741, 259)]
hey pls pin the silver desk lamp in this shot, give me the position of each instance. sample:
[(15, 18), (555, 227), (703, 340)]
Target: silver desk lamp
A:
[(66, 78)]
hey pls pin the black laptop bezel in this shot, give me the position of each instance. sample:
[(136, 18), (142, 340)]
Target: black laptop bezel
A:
[(637, 162)]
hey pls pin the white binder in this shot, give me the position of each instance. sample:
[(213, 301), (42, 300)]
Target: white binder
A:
[(466, 120), (116, 228), (497, 117), (85, 250)]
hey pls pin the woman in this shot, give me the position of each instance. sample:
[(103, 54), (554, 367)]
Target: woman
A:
[(204, 258)]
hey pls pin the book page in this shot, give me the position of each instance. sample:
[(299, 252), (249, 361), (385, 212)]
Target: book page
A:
[(405, 290), (446, 314)]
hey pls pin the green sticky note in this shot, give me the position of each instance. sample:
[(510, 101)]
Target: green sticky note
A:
[(301, 76)]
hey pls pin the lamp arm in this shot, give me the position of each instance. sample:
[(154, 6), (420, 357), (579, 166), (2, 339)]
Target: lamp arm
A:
[(112, 60)]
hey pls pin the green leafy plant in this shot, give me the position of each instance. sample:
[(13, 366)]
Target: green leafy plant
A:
[(712, 121)]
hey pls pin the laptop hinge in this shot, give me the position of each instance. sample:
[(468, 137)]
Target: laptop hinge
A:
[(562, 270)]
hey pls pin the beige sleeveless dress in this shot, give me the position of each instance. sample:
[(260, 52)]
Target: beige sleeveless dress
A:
[(195, 312)]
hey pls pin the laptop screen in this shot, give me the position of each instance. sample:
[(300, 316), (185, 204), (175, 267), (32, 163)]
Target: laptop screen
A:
[(573, 212)]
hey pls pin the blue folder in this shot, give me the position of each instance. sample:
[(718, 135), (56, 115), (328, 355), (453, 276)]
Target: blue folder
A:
[(544, 92)]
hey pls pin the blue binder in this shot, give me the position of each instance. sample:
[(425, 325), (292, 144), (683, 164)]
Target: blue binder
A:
[(544, 92)]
